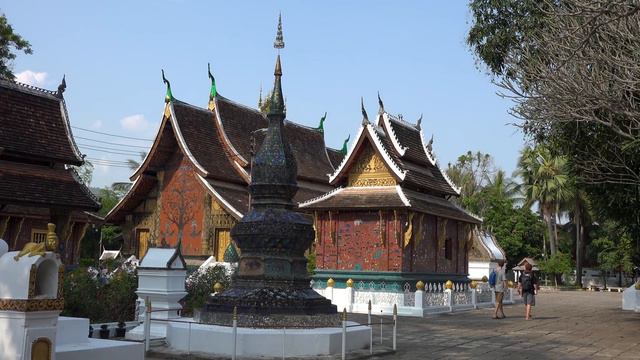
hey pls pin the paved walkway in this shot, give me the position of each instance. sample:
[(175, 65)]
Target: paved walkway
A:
[(566, 325)]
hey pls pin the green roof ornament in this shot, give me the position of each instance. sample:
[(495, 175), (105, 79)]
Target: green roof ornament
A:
[(343, 151), (214, 91), (231, 254), (322, 119), (365, 118), (169, 96)]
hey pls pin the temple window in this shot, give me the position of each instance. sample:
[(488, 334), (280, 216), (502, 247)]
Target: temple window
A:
[(38, 236), (448, 249)]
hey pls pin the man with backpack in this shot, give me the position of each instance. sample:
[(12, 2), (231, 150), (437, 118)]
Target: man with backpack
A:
[(498, 280), (528, 288)]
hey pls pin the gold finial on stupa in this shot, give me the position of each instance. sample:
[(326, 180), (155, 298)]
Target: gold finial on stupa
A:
[(52, 238)]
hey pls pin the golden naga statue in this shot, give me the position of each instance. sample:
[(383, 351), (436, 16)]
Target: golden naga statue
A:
[(35, 249), (31, 249)]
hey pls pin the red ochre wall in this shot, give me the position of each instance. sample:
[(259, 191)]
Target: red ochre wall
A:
[(182, 206), (351, 241)]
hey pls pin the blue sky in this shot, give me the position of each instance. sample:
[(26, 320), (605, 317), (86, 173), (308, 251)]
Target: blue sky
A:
[(413, 52)]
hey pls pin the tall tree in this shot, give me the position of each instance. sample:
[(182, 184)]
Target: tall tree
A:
[(9, 42), (471, 172), (547, 183)]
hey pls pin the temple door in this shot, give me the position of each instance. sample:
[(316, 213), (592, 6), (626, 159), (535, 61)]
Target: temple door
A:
[(143, 242), (223, 238), (41, 349)]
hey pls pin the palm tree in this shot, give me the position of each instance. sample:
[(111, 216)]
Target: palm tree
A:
[(135, 164), (502, 187), (545, 182)]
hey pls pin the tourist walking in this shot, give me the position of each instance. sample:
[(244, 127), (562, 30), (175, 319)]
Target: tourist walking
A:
[(499, 285), (528, 288)]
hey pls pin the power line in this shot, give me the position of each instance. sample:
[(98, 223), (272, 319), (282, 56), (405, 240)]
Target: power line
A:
[(117, 162), (107, 134), (111, 143), (108, 150)]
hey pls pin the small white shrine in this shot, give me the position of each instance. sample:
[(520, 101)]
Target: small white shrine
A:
[(31, 299), (631, 298), (161, 279), (30, 302), (484, 254)]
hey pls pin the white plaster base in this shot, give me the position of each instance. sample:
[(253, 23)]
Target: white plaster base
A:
[(99, 349), (630, 298), (73, 343), (158, 331), (218, 340)]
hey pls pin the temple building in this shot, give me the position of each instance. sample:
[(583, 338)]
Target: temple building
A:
[(37, 183), (484, 255), (192, 186), (390, 216)]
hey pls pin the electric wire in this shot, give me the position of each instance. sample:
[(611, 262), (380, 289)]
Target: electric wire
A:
[(114, 135), (111, 143)]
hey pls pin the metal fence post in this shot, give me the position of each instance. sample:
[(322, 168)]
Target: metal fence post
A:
[(370, 329), (147, 324), (344, 333), (395, 323), (380, 326), (284, 337), (189, 340), (235, 332)]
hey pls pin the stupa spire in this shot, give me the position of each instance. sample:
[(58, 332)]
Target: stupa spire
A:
[(279, 42)]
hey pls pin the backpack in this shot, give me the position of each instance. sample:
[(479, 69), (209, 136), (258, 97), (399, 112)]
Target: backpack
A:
[(492, 278), (527, 282)]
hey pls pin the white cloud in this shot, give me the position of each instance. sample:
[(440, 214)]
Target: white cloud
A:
[(32, 77), (134, 122), (97, 124)]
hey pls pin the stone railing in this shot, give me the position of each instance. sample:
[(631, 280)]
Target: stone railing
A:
[(428, 298)]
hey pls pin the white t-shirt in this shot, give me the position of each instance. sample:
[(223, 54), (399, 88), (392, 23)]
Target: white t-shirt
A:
[(500, 279)]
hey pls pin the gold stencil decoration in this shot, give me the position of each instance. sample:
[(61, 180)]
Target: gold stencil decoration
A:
[(442, 232), (409, 232), (370, 170)]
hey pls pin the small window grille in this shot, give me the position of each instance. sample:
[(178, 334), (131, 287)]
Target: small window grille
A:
[(38, 236)]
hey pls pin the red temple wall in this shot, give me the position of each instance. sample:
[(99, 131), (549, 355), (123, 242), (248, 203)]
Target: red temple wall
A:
[(352, 241), (357, 241), (182, 206)]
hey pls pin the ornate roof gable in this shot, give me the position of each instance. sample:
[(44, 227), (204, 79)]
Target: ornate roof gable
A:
[(367, 134)]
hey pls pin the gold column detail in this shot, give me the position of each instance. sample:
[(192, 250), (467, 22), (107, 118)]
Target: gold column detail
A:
[(382, 228), (409, 232), (4, 223), (442, 232)]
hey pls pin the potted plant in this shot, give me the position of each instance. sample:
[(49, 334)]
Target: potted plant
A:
[(104, 331), (121, 329)]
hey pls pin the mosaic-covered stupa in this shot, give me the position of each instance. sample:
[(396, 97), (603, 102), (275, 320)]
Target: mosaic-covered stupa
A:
[(272, 287)]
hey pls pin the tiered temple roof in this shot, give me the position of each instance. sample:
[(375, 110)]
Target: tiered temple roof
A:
[(36, 150), (219, 142), (399, 171)]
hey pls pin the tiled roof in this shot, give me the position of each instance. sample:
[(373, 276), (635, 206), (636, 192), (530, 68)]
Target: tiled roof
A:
[(335, 156), (37, 185), (240, 122), (380, 197), (238, 198), (198, 129), (438, 206), (34, 125), (430, 176)]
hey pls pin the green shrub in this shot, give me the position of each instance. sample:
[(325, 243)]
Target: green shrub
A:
[(85, 296), (199, 286)]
